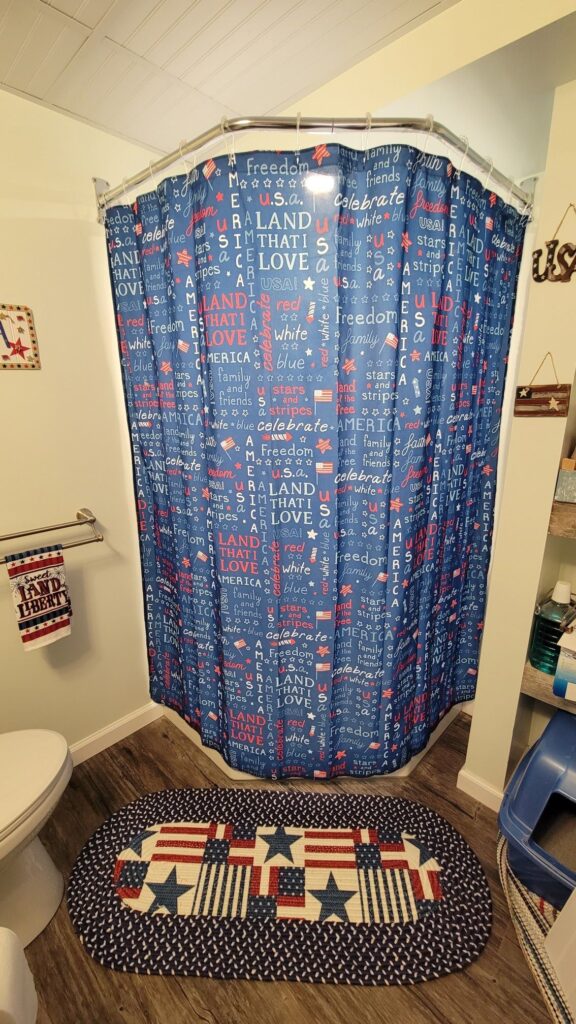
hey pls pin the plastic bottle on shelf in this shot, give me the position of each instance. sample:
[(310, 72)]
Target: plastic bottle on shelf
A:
[(548, 629)]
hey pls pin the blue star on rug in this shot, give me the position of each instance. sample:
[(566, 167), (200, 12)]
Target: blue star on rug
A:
[(139, 841), (279, 842), (426, 858), (166, 893), (333, 900)]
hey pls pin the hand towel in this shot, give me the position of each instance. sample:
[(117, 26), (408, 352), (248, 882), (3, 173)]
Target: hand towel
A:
[(40, 595)]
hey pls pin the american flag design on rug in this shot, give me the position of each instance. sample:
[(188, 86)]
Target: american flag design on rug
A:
[(141, 907), (40, 595), (223, 870)]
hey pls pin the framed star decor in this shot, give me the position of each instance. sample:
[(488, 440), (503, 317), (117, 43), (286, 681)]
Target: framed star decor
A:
[(18, 341), (542, 399)]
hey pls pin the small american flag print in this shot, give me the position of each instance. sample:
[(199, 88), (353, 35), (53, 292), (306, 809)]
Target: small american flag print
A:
[(208, 169), (219, 869)]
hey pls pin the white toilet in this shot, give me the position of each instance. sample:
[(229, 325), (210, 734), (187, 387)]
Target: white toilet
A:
[(18, 999), (35, 766)]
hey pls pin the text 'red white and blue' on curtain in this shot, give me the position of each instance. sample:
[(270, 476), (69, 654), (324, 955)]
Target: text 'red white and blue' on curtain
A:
[(314, 352)]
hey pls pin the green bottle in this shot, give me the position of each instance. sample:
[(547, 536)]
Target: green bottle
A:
[(544, 650)]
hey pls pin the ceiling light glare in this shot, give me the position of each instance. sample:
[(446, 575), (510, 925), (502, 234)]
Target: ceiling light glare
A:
[(320, 184)]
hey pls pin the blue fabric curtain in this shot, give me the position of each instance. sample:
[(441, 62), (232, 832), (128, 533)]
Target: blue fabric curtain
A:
[(314, 352)]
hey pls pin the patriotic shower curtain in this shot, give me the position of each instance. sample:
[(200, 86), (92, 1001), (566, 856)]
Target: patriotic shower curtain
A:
[(314, 352)]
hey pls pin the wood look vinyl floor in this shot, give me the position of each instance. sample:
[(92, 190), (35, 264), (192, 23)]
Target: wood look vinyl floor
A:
[(74, 989)]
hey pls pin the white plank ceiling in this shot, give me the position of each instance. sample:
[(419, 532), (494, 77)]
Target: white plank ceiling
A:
[(157, 71)]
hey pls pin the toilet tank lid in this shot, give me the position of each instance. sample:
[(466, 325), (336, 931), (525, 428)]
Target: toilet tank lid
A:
[(30, 762)]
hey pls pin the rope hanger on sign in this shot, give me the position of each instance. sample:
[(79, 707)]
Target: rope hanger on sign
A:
[(560, 263)]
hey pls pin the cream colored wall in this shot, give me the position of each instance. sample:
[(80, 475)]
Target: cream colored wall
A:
[(527, 487), (451, 40), (64, 442)]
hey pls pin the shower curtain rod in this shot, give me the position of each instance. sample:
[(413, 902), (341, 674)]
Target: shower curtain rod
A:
[(106, 195)]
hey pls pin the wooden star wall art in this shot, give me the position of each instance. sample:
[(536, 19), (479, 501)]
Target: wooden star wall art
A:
[(543, 399), (18, 341)]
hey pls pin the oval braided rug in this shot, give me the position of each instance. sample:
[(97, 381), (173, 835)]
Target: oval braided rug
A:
[(271, 886)]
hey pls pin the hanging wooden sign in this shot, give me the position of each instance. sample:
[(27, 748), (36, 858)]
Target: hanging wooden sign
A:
[(542, 399), (560, 263)]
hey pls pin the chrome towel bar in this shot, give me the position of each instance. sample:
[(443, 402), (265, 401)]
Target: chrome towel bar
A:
[(84, 517)]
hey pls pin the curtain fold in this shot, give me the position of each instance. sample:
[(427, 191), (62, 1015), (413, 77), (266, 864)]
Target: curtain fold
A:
[(313, 351)]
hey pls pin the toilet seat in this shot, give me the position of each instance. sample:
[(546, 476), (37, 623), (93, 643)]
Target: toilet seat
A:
[(32, 763)]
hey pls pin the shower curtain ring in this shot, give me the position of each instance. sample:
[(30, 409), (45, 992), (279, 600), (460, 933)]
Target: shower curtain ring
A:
[(423, 153), (184, 189), (366, 133), (430, 120), (230, 143), (124, 196), (182, 157), (465, 153), (526, 210), (153, 176), (491, 168)]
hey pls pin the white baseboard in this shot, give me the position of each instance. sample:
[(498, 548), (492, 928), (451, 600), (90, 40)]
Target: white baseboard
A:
[(118, 730), (150, 712), (480, 789)]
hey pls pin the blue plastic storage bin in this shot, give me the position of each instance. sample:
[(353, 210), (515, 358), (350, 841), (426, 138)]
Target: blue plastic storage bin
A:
[(542, 791)]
